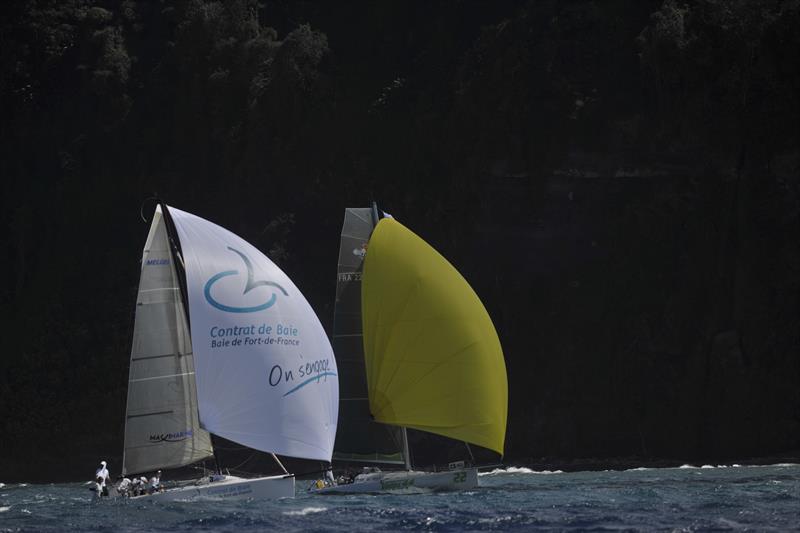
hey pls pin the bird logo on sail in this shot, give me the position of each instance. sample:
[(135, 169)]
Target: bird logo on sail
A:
[(250, 285)]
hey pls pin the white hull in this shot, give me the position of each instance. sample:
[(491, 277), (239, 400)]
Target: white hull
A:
[(232, 487), (399, 482)]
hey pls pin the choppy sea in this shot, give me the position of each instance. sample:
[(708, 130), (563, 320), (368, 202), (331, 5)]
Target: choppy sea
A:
[(516, 499)]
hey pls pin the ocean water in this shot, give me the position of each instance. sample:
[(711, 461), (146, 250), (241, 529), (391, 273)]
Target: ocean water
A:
[(513, 499)]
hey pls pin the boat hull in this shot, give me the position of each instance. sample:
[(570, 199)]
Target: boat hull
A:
[(232, 487), (400, 482)]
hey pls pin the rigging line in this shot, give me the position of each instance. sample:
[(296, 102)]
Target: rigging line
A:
[(243, 462), (141, 207), (160, 289), (280, 464)]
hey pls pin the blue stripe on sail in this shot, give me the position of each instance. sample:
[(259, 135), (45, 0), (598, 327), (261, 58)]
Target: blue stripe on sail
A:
[(309, 380)]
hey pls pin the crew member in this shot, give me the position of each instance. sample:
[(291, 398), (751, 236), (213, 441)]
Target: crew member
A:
[(124, 487), (102, 473), (155, 483)]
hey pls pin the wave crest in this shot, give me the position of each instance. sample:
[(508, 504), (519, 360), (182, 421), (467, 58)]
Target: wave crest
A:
[(518, 470), (306, 511)]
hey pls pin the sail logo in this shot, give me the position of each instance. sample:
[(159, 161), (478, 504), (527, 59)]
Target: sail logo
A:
[(250, 285), (171, 437), (310, 372), (157, 262)]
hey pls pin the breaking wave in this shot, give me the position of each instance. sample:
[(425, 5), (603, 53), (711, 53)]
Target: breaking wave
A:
[(306, 511), (518, 470)]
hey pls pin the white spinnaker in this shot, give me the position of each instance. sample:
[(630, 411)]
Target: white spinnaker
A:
[(265, 370), (161, 424)]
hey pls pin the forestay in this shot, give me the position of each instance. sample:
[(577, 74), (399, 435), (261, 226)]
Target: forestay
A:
[(266, 374), (161, 427), (433, 358)]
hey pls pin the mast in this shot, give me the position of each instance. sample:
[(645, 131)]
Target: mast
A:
[(375, 216), (177, 257), (358, 438), (406, 450), (403, 431), (180, 270), (162, 428)]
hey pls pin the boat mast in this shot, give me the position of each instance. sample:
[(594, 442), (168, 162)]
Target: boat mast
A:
[(403, 432), (177, 259), (406, 450), (469, 449), (180, 271)]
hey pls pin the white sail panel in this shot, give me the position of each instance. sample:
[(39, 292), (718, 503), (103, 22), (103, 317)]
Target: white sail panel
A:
[(161, 427), (266, 374)]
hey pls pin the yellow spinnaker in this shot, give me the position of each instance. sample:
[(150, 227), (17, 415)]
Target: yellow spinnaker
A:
[(433, 359)]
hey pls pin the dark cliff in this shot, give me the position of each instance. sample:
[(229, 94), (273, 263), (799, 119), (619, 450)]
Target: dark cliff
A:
[(620, 183)]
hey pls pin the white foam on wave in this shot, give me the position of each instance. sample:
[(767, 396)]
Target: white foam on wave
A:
[(2, 485), (737, 465), (518, 470), (682, 467), (4, 509), (776, 465), (306, 511)]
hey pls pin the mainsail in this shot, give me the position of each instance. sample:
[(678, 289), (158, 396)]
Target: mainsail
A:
[(266, 374), (359, 438), (161, 425), (433, 358)]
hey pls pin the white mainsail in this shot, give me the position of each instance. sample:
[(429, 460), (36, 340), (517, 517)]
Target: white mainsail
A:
[(161, 425), (265, 371)]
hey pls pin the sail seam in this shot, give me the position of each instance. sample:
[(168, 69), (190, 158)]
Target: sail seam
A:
[(160, 356), (150, 414), (162, 377)]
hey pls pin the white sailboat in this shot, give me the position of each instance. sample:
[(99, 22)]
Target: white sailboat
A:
[(223, 343), (416, 349)]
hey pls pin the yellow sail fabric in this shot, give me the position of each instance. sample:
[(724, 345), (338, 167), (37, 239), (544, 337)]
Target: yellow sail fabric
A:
[(433, 359)]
